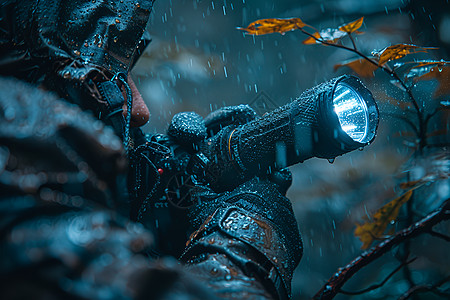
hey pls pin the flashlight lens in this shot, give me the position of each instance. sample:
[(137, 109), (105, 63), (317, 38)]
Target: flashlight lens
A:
[(352, 112)]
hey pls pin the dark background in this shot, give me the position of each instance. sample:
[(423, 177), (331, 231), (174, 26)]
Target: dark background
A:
[(198, 61)]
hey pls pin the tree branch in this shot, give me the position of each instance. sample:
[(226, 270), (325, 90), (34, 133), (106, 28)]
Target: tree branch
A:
[(426, 288), (334, 284), (375, 286), (440, 235), (353, 41), (406, 120), (422, 124)]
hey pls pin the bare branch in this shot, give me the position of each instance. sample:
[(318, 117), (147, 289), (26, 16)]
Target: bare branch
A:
[(426, 288), (440, 235), (435, 111), (390, 71), (334, 284), (340, 46), (375, 286), (407, 121), (353, 41)]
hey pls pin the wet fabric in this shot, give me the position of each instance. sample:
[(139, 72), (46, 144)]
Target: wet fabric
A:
[(64, 230), (257, 214), (76, 36), (61, 229)]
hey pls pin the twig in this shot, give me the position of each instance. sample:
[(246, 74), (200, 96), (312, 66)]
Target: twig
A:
[(426, 288), (435, 111), (353, 41), (440, 235), (375, 286), (334, 284), (406, 120), (340, 46), (422, 124), (406, 246)]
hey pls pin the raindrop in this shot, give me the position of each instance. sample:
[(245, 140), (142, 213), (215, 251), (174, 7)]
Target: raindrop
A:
[(331, 160)]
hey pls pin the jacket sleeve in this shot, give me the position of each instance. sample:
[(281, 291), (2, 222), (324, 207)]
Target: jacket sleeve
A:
[(248, 239)]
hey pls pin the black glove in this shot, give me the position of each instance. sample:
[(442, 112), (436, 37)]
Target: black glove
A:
[(260, 220), (229, 115), (189, 130), (164, 161)]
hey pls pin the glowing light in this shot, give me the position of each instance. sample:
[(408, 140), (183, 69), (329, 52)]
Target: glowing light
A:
[(352, 112)]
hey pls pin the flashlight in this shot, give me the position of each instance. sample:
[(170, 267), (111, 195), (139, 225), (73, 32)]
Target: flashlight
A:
[(331, 119)]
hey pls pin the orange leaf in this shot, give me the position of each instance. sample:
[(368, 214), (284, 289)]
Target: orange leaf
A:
[(397, 51), (360, 66), (426, 179), (311, 40), (375, 228), (266, 26), (352, 26), (410, 184), (422, 67), (423, 63), (442, 75)]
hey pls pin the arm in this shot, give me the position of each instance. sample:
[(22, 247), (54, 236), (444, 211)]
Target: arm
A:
[(248, 240)]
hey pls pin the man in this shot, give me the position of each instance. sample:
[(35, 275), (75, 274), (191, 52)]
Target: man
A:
[(65, 225)]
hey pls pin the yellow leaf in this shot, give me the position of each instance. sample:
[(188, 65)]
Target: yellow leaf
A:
[(311, 40), (360, 66), (398, 51), (375, 228), (352, 26), (266, 26)]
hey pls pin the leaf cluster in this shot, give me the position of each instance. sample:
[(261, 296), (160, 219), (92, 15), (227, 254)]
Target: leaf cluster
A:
[(364, 66)]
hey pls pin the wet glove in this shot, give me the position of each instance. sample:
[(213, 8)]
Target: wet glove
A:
[(158, 205), (189, 130)]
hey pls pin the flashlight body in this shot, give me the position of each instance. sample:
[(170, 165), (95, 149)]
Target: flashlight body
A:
[(304, 128)]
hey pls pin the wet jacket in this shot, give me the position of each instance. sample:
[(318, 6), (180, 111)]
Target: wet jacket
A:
[(67, 46), (65, 230)]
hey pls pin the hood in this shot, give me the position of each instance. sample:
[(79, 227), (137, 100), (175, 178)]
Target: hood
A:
[(72, 38)]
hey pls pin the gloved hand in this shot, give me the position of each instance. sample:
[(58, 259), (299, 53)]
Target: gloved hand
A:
[(189, 130), (254, 226), (157, 206)]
